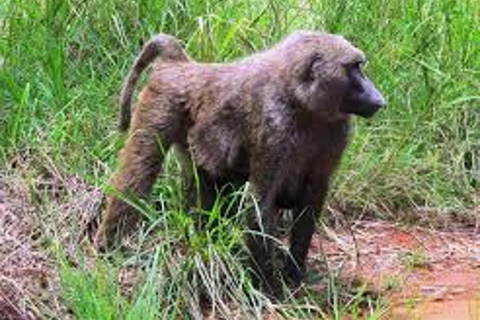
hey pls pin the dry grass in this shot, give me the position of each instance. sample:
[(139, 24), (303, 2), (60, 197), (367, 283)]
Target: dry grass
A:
[(29, 238), (25, 269)]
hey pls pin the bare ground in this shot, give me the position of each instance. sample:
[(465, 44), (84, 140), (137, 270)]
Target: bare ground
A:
[(29, 281), (424, 274)]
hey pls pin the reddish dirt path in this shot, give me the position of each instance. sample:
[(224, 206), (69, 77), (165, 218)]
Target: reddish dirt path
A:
[(424, 274)]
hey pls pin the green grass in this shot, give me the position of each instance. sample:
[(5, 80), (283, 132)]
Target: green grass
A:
[(62, 63)]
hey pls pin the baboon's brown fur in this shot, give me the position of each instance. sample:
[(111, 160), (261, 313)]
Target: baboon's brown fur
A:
[(279, 119)]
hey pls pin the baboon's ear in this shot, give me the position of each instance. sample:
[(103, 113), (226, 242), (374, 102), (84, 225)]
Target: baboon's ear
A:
[(313, 67)]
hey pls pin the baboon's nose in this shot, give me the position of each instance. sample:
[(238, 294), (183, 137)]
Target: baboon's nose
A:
[(377, 101), (380, 104)]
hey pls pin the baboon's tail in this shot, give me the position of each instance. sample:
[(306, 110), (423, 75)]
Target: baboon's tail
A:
[(162, 45)]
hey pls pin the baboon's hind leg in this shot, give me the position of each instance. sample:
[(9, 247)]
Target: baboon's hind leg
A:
[(155, 127), (140, 163)]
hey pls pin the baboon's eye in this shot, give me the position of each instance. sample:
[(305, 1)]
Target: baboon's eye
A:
[(355, 75), (359, 65)]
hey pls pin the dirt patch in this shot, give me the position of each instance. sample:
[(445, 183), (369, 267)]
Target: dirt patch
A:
[(24, 269), (423, 274), (29, 280)]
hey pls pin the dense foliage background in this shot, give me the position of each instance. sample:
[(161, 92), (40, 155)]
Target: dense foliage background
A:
[(62, 63)]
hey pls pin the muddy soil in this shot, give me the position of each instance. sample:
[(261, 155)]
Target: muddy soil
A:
[(423, 274)]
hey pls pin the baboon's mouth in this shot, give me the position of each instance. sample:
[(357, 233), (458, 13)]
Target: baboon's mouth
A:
[(368, 112), (364, 111)]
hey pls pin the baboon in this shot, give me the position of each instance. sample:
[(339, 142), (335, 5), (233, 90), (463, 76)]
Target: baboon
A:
[(279, 119)]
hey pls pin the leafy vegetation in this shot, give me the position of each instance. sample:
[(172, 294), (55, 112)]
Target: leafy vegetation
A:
[(62, 63)]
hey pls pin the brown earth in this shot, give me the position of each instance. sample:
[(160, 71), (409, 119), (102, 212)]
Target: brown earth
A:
[(422, 273), (29, 282)]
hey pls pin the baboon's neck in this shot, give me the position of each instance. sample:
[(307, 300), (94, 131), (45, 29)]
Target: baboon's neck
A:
[(306, 118)]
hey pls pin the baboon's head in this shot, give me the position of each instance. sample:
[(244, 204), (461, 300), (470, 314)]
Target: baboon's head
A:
[(329, 77)]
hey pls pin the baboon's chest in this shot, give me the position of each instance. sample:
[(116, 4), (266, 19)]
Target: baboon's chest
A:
[(290, 193), (313, 158)]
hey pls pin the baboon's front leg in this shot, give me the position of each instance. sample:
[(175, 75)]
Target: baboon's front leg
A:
[(140, 163), (263, 225), (304, 218), (261, 246)]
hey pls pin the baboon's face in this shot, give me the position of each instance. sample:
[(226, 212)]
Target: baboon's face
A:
[(335, 82), (362, 97)]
